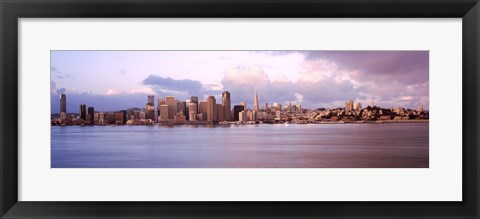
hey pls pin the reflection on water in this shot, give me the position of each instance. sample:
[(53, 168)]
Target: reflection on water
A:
[(243, 146)]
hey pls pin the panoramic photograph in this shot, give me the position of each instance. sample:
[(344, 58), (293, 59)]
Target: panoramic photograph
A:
[(239, 109)]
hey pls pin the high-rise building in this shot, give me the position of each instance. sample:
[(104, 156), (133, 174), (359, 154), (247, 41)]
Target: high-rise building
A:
[(91, 112), (63, 103), (255, 102), (202, 108), (349, 106), (277, 106), (194, 99), (227, 107), (178, 107), (83, 111), (63, 106), (242, 116), (420, 108), (170, 101), (185, 110), (220, 113), (358, 106), (211, 109), (164, 112), (121, 117), (192, 107), (266, 106), (160, 102), (151, 100), (236, 110)]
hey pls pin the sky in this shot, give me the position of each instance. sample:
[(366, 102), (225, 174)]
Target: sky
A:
[(116, 80)]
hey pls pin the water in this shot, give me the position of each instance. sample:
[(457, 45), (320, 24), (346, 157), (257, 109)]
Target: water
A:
[(242, 146)]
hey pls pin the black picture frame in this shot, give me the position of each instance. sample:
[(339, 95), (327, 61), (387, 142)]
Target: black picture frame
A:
[(12, 10)]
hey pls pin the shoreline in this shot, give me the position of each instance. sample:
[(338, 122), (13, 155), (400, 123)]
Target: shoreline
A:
[(199, 123)]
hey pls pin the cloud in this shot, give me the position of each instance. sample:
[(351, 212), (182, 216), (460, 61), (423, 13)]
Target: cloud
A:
[(169, 85)]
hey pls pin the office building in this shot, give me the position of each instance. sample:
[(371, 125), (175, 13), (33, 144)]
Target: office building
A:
[(164, 112), (358, 106), (171, 106), (211, 109), (242, 116), (349, 106), (151, 99), (227, 107), (420, 108), (255, 102), (220, 113), (236, 110), (192, 107), (91, 112), (83, 111), (63, 103)]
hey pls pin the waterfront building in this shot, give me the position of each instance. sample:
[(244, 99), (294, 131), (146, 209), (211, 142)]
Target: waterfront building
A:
[(277, 106), (63, 106), (278, 114), (255, 102), (349, 106), (250, 115), (90, 111), (242, 116), (164, 112), (185, 110), (226, 106), (194, 99), (220, 113), (170, 101), (150, 112), (211, 109), (420, 108), (266, 106), (178, 106), (151, 99), (120, 117), (192, 107), (160, 102), (192, 116), (358, 106), (202, 107), (83, 111), (236, 110)]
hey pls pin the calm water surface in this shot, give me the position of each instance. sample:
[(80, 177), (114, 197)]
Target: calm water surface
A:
[(261, 146)]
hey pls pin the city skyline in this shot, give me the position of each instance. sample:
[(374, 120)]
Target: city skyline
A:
[(313, 79)]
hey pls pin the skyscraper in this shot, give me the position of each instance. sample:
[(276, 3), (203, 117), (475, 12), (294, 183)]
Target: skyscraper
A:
[(171, 106), (151, 100), (164, 112), (211, 109), (255, 102), (91, 112), (420, 108), (83, 111), (226, 106), (349, 106), (220, 113), (358, 106), (159, 103), (63, 103), (63, 106), (236, 110)]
